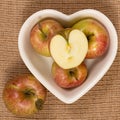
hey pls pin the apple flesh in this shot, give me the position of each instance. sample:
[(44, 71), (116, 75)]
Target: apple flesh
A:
[(97, 35), (69, 78), (24, 95), (69, 48), (42, 33)]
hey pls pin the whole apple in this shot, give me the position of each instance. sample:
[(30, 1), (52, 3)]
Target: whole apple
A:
[(69, 48), (42, 33), (69, 78), (24, 95), (97, 35)]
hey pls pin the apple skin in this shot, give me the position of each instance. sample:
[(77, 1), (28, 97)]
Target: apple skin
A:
[(69, 78), (24, 95), (97, 35), (42, 33)]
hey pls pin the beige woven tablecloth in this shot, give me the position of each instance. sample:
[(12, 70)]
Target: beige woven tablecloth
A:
[(102, 102)]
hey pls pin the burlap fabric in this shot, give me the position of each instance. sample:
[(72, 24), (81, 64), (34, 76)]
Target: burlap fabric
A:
[(102, 102)]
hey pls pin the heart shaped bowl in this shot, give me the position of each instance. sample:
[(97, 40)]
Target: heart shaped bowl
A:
[(40, 66)]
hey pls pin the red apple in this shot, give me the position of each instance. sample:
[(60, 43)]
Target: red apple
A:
[(97, 35), (69, 78), (42, 33), (24, 95)]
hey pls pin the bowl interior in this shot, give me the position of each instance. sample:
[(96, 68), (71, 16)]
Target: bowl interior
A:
[(40, 66)]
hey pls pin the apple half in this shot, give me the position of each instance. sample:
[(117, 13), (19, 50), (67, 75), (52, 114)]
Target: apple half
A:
[(69, 48)]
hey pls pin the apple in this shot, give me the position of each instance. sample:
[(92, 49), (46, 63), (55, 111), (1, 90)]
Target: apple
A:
[(24, 95), (69, 78), (69, 48), (97, 35), (42, 33)]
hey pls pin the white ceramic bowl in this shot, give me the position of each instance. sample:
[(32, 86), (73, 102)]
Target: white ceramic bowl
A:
[(40, 66)]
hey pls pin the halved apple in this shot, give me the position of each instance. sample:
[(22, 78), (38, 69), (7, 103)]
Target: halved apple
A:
[(69, 48)]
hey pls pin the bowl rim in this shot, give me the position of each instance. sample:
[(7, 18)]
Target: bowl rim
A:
[(84, 12)]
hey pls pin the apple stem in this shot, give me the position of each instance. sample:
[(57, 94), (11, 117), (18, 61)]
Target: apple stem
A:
[(89, 36), (41, 30), (29, 92), (72, 72)]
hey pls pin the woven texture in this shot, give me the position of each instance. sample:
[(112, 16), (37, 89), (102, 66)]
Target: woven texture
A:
[(102, 102)]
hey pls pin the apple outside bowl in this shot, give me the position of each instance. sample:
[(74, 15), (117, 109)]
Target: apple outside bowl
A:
[(40, 66)]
